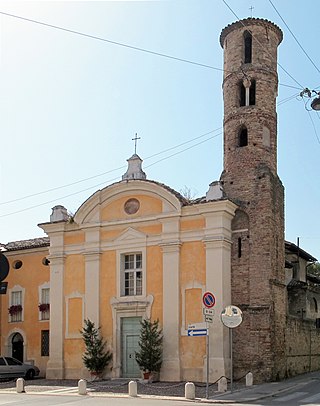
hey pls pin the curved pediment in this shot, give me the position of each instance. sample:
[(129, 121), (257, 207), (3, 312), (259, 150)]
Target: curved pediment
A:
[(129, 199)]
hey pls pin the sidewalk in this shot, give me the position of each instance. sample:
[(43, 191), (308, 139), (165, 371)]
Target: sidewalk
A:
[(164, 390), (265, 390)]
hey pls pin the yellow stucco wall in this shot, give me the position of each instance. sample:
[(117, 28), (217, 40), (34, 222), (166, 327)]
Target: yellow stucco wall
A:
[(194, 224), (154, 280), (74, 275), (76, 237), (115, 211), (29, 277)]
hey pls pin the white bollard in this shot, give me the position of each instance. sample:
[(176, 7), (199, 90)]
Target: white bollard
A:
[(20, 385), (133, 389), (249, 379), (82, 387), (222, 384), (189, 391)]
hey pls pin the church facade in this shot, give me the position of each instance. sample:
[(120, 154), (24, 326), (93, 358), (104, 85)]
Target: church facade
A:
[(138, 249)]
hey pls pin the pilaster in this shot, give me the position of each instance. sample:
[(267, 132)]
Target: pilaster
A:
[(171, 312), (55, 366)]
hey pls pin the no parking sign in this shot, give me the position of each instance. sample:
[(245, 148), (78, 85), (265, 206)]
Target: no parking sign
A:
[(208, 299)]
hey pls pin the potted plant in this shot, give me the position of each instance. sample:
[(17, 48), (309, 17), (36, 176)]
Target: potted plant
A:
[(15, 309), (44, 307), (149, 357), (95, 357)]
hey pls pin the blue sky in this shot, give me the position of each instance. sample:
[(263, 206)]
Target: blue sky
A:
[(70, 105)]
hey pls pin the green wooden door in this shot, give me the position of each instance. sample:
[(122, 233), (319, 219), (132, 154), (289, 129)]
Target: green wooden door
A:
[(130, 333)]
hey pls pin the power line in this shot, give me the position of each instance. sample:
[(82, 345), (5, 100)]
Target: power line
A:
[(314, 127), (301, 87), (303, 50), (111, 170), (122, 44), (112, 42)]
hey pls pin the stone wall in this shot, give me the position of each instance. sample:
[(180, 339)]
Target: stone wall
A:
[(302, 346)]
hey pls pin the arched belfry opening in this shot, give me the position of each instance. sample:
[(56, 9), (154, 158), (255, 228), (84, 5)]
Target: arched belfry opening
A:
[(247, 92), (247, 41), (243, 137)]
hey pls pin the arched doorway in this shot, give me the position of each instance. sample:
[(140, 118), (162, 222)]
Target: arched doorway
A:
[(17, 346)]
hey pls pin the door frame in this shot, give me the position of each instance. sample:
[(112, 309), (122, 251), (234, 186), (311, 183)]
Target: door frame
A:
[(126, 307)]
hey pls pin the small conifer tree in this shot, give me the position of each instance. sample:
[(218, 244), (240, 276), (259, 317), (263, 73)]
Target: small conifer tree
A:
[(95, 357), (149, 358)]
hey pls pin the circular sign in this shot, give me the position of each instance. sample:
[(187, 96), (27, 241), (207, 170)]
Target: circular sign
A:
[(4, 267), (208, 299), (231, 316)]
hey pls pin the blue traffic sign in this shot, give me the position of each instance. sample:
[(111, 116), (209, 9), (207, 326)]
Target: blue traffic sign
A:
[(198, 333), (208, 299)]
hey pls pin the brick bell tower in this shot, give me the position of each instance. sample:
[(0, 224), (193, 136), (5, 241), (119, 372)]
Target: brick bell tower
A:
[(250, 180)]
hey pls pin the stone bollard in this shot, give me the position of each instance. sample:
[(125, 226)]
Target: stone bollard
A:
[(20, 385), (189, 391), (82, 387), (133, 389), (222, 384), (249, 379)]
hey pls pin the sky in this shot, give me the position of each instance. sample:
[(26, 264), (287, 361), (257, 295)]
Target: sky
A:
[(71, 103)]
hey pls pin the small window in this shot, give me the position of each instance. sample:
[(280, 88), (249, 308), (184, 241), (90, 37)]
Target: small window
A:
[(44, 306), (252, 93), (44, 343), (17, 264), (247, 37), (315, 305), (242, 91), (239, 247), (15, 309), (132, 277), (243, 137)]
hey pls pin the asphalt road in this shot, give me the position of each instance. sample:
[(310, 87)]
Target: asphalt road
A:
[(305, 394), (13, 399)]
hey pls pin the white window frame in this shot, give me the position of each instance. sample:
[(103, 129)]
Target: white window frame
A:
[(42, 315), (121, 272), (15, 289), (130, 274)]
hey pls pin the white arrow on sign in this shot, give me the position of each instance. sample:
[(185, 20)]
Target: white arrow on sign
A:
[(197, 333)]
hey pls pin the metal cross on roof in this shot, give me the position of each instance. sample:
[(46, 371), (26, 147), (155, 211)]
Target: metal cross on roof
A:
[(135, 142), (251, 8)]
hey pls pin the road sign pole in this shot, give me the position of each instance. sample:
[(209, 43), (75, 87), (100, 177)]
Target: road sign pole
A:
[(231, 360), (208, 364)]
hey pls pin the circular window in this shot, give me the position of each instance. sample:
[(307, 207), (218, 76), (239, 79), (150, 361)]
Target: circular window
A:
[(45, 261), (131, 206), (17, 264)]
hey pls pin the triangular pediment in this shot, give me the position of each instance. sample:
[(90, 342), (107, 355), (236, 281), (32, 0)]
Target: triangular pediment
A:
[(131, 234)]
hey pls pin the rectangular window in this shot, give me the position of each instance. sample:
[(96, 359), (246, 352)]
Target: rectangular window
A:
[(132, 270), (44, 306), (44, 343), (15, 309)]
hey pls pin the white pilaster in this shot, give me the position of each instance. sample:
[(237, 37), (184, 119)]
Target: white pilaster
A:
[(92, 275), (171, 310), (218, 281), (55, 366), (92, 294)]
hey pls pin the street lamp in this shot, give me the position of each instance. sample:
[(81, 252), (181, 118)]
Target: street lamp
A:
[(315, 104)]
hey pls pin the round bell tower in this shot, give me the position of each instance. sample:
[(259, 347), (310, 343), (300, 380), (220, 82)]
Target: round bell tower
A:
[(250, 179)]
